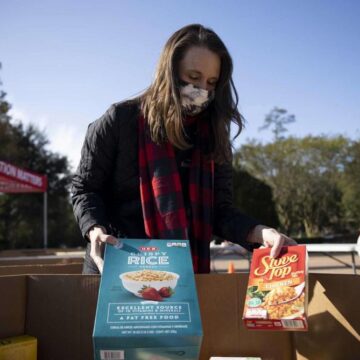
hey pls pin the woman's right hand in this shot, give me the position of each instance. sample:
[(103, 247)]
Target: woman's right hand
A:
[(98, 238)]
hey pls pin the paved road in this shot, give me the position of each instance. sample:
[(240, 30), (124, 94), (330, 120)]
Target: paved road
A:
[(335, 263), (318, 263)]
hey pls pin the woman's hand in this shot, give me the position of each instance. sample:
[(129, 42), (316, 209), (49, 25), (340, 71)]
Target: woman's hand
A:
[(269, 237), (98, 238)]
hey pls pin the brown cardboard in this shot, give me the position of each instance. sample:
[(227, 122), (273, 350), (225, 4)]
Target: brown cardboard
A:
[(13, 292), (59, 310), (221, 300), (60, 313), (334, 320), (75, 268)]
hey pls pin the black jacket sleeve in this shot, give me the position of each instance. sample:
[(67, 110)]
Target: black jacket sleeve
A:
[(229, 222), (96, 165)]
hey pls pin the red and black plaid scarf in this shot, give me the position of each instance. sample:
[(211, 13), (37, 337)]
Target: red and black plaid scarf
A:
[(162, 198)]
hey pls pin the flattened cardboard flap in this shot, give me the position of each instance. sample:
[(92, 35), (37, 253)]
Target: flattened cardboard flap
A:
[(60, 313), (12, 305), (334, 320)]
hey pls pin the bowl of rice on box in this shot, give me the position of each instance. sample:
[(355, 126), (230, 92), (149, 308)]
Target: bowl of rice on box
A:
[(147, 304), (276, 296)]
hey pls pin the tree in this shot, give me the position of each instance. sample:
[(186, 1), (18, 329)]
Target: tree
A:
[(277, 119), (21, 220), (350, 186), (304, 175)]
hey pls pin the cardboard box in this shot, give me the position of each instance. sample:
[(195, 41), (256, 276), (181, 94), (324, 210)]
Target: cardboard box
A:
[(75, 268), (276, 297), (59, 310), (18, 348), (147, 305)]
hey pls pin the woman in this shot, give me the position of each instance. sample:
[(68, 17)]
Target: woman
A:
[(159, 166)]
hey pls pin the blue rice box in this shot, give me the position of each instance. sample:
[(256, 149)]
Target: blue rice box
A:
[(147, 304)]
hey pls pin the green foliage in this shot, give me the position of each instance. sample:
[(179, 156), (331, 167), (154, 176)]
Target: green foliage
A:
[(21, 215), (313, 180), (350, 185)]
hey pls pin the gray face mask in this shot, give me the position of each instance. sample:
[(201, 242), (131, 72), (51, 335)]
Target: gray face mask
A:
[(194, 99)]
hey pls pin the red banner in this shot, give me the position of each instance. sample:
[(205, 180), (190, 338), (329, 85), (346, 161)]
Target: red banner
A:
[(17, 180)]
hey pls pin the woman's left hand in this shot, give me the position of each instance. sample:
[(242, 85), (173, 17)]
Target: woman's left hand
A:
[(270, 237)]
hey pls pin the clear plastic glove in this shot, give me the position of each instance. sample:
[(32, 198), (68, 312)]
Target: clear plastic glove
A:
[(269, 237), (98, 238)]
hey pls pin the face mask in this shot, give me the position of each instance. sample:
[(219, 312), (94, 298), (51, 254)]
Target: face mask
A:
[(194, 99)]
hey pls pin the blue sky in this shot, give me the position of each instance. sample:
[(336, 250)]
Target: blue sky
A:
[(64, 62)]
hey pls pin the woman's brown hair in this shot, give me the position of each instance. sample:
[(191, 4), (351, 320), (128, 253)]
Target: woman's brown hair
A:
[(161, 103)]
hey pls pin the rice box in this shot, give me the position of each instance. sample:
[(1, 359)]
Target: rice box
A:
[(147, 304), (276, 297)]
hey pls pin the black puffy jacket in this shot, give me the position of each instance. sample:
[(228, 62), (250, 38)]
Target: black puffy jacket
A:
[(106, 191)]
